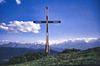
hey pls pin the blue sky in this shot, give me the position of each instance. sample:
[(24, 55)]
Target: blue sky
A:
[(79, 19)]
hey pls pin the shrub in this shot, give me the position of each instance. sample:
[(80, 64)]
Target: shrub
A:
[(27, 57), (70, 50)]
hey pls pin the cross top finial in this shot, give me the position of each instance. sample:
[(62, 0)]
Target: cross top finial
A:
[(46, 7)]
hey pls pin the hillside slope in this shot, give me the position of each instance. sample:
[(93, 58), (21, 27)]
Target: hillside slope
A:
[(84, 57), (8, 52)]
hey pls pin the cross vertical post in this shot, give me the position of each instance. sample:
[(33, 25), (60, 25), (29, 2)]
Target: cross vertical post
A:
[(47, 33)]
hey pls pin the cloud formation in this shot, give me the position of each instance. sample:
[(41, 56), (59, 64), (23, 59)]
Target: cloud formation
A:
[(18, 2), (51, 42), (20, 26), (1, 1)]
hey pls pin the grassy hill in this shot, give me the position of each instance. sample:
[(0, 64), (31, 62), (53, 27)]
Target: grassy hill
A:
[(83, 57), (8, 52)]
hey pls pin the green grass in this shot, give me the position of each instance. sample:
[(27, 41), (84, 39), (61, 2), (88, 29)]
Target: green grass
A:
[(83, 57)]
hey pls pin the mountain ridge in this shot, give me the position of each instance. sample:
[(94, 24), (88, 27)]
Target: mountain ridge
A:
[(79, 44)]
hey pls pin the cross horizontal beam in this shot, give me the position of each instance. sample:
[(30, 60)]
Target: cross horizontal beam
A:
[(45, 21)]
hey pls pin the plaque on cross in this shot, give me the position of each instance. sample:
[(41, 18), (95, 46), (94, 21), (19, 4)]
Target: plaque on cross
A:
[(47, 33)]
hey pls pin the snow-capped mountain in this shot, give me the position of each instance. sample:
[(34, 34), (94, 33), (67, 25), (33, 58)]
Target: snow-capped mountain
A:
[(58, 45)]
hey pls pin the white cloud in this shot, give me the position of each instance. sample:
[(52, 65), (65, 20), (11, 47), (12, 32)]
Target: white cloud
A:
[(3, 26), (20, 26), (86, 39), (52, 42), (18, 2), (3, 23), (4, 41), (1, 1), (35, 31)]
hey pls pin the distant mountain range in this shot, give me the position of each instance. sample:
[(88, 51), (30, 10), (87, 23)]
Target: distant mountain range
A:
[(78, 44), (26, 45)]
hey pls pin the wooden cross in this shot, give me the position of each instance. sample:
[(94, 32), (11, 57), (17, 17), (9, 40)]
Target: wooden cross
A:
[(47, 33)]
